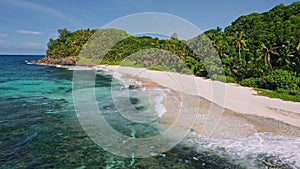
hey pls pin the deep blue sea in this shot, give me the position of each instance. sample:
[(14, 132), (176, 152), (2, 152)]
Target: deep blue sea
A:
[(39, 127)]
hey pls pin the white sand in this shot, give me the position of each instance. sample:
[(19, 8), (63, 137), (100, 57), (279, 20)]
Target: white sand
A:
[(230, 96)]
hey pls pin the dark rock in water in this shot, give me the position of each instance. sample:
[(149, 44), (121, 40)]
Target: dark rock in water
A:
[(267, 161), (133, 87), (49, 61), (139, 107), (134, 100)]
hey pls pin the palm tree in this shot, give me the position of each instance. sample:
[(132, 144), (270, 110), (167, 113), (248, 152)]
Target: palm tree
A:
[(295, 65), (285, 56), (268, 51), (240, 43), (174, 36)]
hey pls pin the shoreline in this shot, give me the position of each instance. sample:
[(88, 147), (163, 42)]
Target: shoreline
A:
[(239, 99), (266, 114), (232, 122)]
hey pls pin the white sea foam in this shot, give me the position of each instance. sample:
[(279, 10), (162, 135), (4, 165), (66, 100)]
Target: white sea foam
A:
[(155, 96), (149, 98), (252, 150), (127, 81), (124, 81), (158, 97), (77, 67)]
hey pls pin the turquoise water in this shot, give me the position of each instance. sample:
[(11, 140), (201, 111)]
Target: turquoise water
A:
[(39, 127)]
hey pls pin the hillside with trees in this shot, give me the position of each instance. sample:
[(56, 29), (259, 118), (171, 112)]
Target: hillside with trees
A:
[(256, 50), (263, 50), (68, 44)]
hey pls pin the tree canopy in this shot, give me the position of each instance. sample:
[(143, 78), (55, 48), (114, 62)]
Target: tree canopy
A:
[(256, 50)]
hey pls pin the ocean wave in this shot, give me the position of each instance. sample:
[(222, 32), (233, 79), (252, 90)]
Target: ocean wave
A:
[(127, 81), (260, 150), (158, 96)]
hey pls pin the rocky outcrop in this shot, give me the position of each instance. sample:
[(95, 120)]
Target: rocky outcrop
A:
[(49, 61)]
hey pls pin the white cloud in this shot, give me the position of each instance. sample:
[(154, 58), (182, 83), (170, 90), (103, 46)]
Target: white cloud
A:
[(37, 7), (2, 35), (3, 41), (32, 44), (5, 44), (29, 32)]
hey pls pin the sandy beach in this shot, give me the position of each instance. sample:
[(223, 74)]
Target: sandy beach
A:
[(223, 105)]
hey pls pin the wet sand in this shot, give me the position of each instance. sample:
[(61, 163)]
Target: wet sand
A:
[(216, 109)]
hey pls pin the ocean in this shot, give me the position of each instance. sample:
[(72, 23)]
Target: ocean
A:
[(39, 127)]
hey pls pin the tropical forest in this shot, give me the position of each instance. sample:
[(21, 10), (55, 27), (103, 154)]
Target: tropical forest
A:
[(257, 50)]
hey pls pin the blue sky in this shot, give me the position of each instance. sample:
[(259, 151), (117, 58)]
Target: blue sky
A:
[(27, 25)]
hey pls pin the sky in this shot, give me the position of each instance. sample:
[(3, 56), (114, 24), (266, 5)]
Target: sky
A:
[(27, 25)]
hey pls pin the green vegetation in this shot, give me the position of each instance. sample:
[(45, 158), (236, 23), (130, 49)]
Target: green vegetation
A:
[(284, 95), (68, 44), (256, 44), (263, 51), (278, 84), (257, 50)]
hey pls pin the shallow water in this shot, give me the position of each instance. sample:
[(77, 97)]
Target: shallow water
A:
[(39, 127)]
